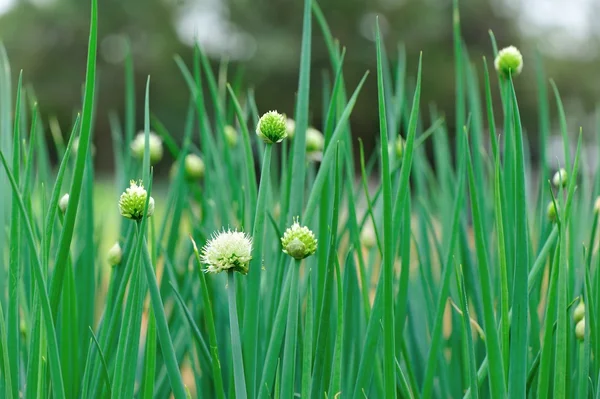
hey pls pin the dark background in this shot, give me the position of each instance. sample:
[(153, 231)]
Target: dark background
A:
[(48, 40)]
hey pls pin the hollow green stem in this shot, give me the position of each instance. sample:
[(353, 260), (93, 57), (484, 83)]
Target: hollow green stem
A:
[(162, 327), (236, 343), (289, 351)]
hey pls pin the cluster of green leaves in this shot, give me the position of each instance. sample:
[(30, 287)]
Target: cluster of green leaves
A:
[(465, 291)]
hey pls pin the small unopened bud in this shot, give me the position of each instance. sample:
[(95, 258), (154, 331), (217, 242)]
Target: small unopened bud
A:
[(509, 62), (551, 212), (579, 312), (271, 127), (597, 205), (315, 142), (133, 201), (194, 167), (63, 203), (155, 146), (298, 241), (580, 330), (560, 178), (114, 255), (367, 238), (400, 147), (231, 135), (290, 127)]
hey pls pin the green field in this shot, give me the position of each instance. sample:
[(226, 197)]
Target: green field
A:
[(280, 260)]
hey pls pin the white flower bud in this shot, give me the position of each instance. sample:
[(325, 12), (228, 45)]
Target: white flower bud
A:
[(194, 167), (154, 144), (560, 178), (63, 203), (580, 330), (114, 255), (579, 312), (231, 136), (290, 127)]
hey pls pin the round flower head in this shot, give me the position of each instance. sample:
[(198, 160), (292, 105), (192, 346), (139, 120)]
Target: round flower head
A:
[(133, 201), (227, 250), (509, 62), (290, 127), (154, 143), (551, 212), (63, 203), (298, 241), (114, 255), (580, 330), (271, 127), (194, 167), (579, 312), (560, 178), (231, 135), (315, 142)]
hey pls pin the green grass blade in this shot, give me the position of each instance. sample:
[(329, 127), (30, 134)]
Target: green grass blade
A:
[(236, 341), (563, 125), (212, 335), (335, 386), (68, 333), (497, 388), (307, 343), (55, 196), (204, 352), (162, 329), (325, 294), (54, 358), (459, 70), (402, 203), (31, 152), (6, 368), (388, 238), (520, 310), (14, 273), (249, 157), (544, 383), (467, 336), (436, 335), (105, 373), (251, 311), (82, 153), (329, 155), (301, 117), (289, 354), (271, 364), (498, 210)]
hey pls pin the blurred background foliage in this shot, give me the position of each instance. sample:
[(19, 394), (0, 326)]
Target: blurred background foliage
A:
[(261, 40)]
